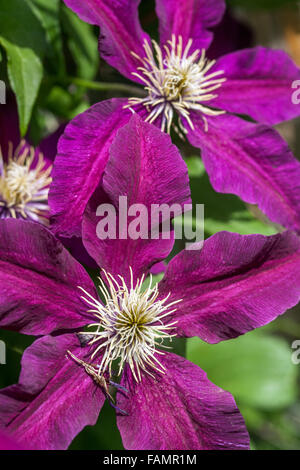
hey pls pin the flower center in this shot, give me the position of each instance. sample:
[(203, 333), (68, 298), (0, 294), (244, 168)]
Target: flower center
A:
[(130, 326), (24, 184), (176, 82)]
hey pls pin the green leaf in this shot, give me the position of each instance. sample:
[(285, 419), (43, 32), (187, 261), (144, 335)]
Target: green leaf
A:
[(48, 15), (64, 104), (20, 26), (25, 72), (256, 368), (82, 43), (156, 278), (59, 101), (23, 39), (104, 435), (241, 222), (226, 211), (195, 166), (15, 344)]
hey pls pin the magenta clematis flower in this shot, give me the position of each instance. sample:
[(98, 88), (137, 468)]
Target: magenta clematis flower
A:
[(24, 171), (232, 285), (199, 98), (25, 176)]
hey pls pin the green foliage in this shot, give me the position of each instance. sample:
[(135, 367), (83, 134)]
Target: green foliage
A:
[(195, 167), (82, 43), (256, 368), (23, 40), (25, 73), (224, 211), (48, 13), (15, 345)]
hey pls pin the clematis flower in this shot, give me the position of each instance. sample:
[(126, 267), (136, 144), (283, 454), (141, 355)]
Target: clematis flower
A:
[(232, 285), (24, 171), (199, 98), (24, 184), (25, 176)]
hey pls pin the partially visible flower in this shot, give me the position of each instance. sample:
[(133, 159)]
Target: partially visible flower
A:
[(24, 184), (232, 285), (201, 99), (25, 173)]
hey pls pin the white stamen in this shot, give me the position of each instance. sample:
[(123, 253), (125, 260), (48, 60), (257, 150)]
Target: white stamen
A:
[(23, 187), (129, 326), (176, 81)]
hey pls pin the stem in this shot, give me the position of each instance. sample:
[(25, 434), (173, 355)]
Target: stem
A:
[(106, 86)]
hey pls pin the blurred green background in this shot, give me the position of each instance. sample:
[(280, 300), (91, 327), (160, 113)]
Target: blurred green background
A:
[(50, 59)]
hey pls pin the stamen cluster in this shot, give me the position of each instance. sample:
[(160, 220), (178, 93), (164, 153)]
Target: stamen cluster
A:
[(24, 184), (130, 326), (176, 82)]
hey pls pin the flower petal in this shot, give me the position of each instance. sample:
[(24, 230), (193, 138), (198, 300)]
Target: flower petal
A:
[(234, 284), (190, 19), (6, 443), (40, 362), (120, 30), (190, 412), (39, 281), (79, 165), (253, 162), (259, 84), (147, 169), (63, 397)]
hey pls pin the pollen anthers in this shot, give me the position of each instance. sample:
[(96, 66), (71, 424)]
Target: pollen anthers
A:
[(177, 83), (129, 327), (24, 184)]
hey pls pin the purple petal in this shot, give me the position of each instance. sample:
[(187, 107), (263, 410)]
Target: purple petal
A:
[(259, 84), (12, 401), (253, 162), (40, 362), (6, 443), (234, 284), (75, 246), (158, 268), (190, 19), (120, 30), (147, 168), (179, 410), (39, 281), (79, 165), (64, 398)]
